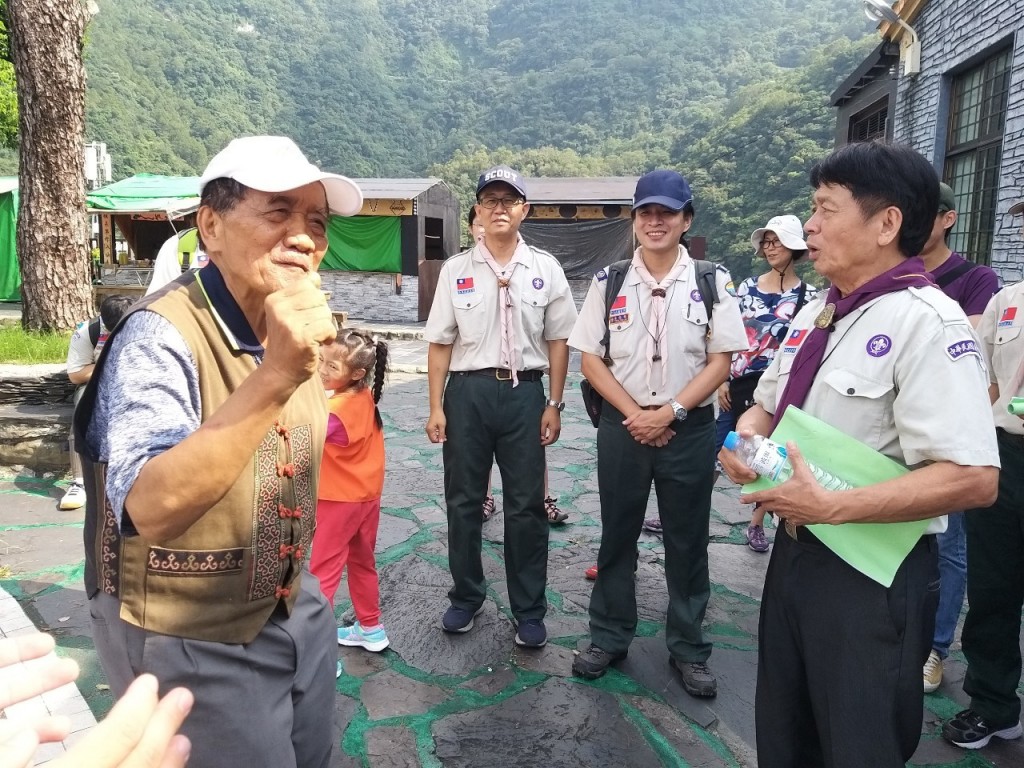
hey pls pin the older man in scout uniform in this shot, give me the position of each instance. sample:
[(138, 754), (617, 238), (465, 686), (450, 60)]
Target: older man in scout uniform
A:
[(840, 655), (501, 315), (667, 359), (204, 423), (995, 544)]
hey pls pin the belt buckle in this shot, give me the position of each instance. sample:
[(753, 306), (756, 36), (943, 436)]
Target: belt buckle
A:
[(497, 374), (790, 529)]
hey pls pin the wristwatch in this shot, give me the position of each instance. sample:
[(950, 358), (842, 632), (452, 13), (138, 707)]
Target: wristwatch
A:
[(678, 410), (558, 405)]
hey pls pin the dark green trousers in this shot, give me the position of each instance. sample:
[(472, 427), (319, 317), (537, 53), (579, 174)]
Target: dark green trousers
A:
[(682, 476), (995, 592), (492, 420)]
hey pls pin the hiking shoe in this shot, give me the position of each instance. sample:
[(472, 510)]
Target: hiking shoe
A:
[(932, 672), (591, 573), (594, 662), (756, 539), (74, 497), (967, 729), (532, 633), (697, 677), (459, 620), (652, 525), (375, 640)]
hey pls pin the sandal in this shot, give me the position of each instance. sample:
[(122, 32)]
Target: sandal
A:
[(489, 508), (555, 515)]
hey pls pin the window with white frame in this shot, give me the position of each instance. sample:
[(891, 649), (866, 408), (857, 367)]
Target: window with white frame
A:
[(973, 152)]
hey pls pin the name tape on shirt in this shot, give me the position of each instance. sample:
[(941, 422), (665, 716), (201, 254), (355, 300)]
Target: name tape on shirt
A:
[(1008, 318), (464, 285), (794, 340), (963, 348), (619, 312)]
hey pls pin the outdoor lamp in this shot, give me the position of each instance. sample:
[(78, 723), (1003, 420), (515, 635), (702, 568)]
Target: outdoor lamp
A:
[(879, 11)]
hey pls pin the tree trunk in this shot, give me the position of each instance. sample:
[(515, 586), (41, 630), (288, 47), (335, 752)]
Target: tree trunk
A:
[(46, 46)]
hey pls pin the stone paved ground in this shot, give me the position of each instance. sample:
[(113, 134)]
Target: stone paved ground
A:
[(434, 699)]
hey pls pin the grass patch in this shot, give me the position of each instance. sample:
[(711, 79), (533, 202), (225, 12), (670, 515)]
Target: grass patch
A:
[(21, 347)]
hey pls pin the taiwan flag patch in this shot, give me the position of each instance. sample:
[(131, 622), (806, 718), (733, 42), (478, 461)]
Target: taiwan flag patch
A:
[(618, 312), (1008, 318), (464, 285), (794, 340)]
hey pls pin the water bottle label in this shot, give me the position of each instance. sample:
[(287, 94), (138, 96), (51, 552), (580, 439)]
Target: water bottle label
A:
[(769, 460)]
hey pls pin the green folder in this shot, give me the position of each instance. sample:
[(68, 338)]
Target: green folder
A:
[(875, 549)]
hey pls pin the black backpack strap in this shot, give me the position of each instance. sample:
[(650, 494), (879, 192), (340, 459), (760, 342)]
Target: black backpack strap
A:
[(706, 284), (94, 331), (616, 277), (953, 274), (800, 298)]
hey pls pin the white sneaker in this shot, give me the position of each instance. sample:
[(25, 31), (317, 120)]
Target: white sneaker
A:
[(74, 498), (932, 672)]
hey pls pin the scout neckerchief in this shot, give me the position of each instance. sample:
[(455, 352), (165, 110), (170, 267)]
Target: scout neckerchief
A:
[(657, 316), (510, 332), (909, 274)]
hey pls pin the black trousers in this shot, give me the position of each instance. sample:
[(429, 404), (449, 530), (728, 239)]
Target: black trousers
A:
[(490, 420), (681, 473), (840, 657), (995, 592)]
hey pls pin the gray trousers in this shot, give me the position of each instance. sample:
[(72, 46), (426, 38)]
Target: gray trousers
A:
[(267, 703)]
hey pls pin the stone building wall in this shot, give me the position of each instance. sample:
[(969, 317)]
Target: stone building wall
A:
[(956, 34)]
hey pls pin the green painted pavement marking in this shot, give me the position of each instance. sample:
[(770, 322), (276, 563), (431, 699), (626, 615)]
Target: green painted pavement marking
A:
[(661, 746), (34, 526)]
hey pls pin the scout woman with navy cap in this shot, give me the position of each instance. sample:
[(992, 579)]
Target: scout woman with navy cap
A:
[(666, 358)]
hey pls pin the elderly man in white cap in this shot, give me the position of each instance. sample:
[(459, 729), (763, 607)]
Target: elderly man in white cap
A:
[(202, 428)]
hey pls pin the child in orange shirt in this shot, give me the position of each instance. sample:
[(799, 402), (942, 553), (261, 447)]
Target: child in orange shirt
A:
[(351, 483)]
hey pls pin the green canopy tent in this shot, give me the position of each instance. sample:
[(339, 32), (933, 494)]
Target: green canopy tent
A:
[(10, 273)]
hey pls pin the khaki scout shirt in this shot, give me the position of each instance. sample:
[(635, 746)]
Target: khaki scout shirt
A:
[(687, 338), (465, 312), (903, 374), (1003, 346)]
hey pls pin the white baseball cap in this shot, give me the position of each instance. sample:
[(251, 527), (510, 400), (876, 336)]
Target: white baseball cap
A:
[(276, 164), (787, 228)]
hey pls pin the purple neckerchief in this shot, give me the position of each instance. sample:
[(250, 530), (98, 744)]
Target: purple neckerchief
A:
[(910, 274)]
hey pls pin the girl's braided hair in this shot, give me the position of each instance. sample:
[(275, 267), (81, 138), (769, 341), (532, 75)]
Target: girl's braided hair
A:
[(363, 351)]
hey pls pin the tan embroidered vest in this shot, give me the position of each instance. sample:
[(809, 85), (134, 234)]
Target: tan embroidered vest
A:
[(223, 578)]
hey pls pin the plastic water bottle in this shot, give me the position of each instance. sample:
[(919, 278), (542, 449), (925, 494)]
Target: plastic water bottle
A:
[(768, 459)]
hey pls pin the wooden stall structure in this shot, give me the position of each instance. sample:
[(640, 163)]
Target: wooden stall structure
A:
[(406, 227), (142, 211)]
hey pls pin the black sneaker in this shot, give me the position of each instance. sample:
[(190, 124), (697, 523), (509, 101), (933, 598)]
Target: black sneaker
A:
[(532, 633), (459, 620), (967, 729), (696, 677), (594, 662)]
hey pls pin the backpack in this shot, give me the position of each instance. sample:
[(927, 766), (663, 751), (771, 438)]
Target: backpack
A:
[(592, 399), (94, 331)]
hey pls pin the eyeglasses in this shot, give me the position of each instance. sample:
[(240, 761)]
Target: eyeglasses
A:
[(766, 243), (508, 203)]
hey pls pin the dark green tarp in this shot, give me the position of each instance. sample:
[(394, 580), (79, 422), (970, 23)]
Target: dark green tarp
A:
[(364, 244), (10, 274)]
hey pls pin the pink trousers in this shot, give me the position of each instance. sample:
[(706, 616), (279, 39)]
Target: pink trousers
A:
[(346, 534)]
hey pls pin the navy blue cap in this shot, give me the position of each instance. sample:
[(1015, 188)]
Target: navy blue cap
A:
[(502, 173), (667, 188)]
